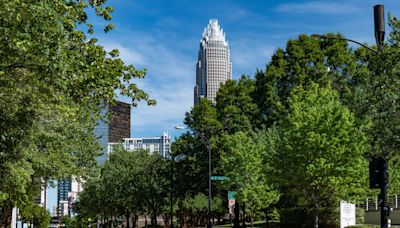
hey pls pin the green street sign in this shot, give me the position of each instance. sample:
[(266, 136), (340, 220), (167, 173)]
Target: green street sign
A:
[(231, 195), (219, 178)]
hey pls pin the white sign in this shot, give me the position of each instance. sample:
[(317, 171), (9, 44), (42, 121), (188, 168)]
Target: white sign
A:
[(231, 206), (347, 214)]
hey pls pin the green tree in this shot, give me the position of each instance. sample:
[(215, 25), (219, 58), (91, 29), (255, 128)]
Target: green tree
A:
[(54, 81), (245, 161), (235, 106), (380, 102), (219, 207), (130, 182), (36, 214), (319, 150), (303, 61)]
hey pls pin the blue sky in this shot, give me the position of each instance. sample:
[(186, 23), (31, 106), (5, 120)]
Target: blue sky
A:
[(163, 37)]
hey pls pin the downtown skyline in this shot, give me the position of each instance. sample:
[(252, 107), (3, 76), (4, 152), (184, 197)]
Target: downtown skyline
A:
[(163, 37)]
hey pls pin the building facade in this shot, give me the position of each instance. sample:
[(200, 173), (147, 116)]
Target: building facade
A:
[(214, 66), (67, 192), (115, 129), (155, 145)]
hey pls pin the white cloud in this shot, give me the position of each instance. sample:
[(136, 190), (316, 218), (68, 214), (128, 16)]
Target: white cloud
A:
[(245, 56), (170, 80), (126, 54)]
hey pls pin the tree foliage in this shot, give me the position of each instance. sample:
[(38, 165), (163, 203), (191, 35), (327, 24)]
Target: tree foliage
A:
[(36, 214), (246, 163), (129, 183), (54, 81), (319, 150)]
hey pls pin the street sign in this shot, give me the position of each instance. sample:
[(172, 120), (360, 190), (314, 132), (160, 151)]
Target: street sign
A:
[(219, 178), (231, 202), (231, 195)]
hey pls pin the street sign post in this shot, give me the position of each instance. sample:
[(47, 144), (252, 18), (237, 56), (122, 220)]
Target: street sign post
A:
[(231, 201)]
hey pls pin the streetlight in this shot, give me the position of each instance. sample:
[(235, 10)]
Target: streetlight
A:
[(382, 167), (172, 190), (318, 36), (208, 141)]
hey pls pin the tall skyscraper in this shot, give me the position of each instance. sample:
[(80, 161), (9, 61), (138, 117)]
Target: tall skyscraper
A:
[(214, 65)]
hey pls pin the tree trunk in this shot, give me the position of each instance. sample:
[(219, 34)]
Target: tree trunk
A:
[(135, 219), (6, 215), (244, 215), (316, 219), (154, 217), (182, 218), (145, 220), (127, 216), (251, 218), (166, 217), (236, 222)]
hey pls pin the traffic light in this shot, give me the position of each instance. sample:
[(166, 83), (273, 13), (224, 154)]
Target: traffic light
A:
[(378, 172)]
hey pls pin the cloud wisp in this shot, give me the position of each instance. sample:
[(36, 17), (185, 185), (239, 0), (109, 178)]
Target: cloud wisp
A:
[(169, 80)]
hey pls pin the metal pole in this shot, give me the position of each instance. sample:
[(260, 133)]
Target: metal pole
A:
[(384, 203), (379, 25), (172, 189), (209, 184)]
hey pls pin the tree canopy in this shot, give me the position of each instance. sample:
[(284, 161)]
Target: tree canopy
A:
[(54, 80)]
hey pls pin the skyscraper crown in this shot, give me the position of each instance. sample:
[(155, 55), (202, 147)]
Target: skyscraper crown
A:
[(213, 32)]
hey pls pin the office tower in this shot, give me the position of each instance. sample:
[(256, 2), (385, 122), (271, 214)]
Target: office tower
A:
[(116, 129), (63, 187), (67, 192), (159, 144), (214, 65)]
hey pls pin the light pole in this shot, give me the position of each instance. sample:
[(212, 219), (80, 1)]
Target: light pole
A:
[(209, 183), (379, 25), (171, 225)]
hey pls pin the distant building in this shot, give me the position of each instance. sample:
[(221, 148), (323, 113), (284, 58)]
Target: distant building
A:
[(67, 192), (115, 129), (155, 145), (42, 199), (214, 65)]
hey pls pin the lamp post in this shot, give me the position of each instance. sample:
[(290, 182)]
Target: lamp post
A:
[(209, 183), (171, 225), (379, 25)]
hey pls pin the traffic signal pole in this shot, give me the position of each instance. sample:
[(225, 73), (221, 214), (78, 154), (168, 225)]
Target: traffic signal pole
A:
[(385, 210), (379, 24)]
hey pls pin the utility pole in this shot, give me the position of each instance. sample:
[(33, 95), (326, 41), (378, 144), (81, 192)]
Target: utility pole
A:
[(379, 22), (378, 167), (385, 210), (209, 184), (378, 178)]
